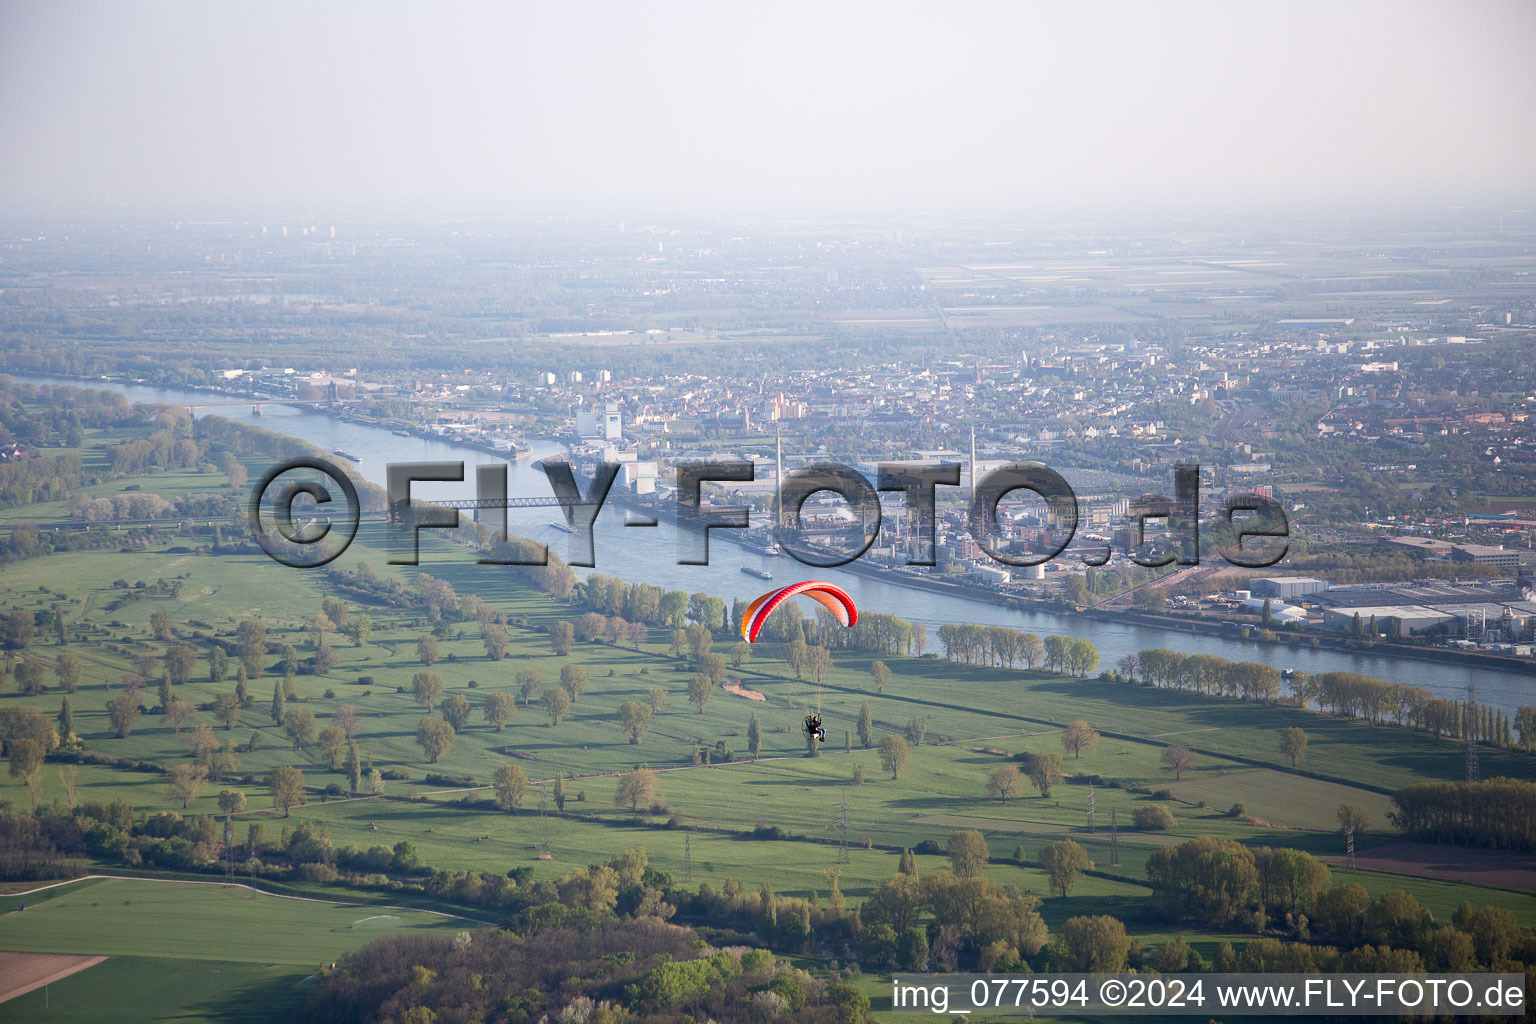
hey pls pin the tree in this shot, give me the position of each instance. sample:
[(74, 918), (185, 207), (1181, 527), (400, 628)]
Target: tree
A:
[(26, 762), (528, 684), (277, 703), (510, 784), (123, 712), (557, 702), (1079, 736), (68, 670), (866, 726), (968, 853), (741, 653), (227, 709), (1353, 818), (1004, 782), (335, 609), (656, 697), (573, 680), (218, 664), (635, 788), (1153, 818), (298, 723), (318, 629), (66, 720), (880, 674), (562, 635), (428, 688), (20, 628), (160, 625), (288, 658), (1044, 772), (359, 627), (203, 744), (1293, 744), (818, 661), (427, 651), (354, 766), (559, 792), (29, 677), (700, 690), (434, 736), (186, 782), (349, 717), (1525, 725), (634, 719), (287, 786), (177, 712), (1064, 863), (893, 755), (324, 659), (494, 636), (916, 729), (1178, 759), (456, 711), (231, 801), (754, 735), (499, 709), (251, 644), (1056, 652), (1095, 944), (1082, 656), (333, 745)]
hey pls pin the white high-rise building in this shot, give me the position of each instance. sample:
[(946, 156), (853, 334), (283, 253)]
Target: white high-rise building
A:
[(613, 422)]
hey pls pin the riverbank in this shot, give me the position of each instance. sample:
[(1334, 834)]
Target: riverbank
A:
[(1328, 641)]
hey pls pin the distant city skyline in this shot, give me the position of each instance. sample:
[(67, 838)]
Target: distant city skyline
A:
[(406, 110)]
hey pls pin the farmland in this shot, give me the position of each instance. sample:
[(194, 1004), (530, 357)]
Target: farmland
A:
[(718, 817)]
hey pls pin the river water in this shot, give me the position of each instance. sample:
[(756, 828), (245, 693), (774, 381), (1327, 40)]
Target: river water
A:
[(650, 555)]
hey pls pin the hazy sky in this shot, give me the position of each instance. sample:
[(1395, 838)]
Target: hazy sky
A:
[(773, 105)]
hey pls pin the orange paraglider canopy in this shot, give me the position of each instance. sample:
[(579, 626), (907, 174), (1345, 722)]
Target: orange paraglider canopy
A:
[(833, 598)]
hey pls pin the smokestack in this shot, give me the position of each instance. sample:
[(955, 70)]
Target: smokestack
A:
[(973, 463), (778, 475)]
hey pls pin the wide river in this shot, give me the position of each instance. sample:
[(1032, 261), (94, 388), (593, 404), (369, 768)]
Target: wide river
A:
[(650, 555)]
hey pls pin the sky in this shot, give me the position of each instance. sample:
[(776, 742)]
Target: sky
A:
[(510, 106)]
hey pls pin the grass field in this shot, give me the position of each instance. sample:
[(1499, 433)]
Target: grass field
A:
[(201, 921), (183, 991)]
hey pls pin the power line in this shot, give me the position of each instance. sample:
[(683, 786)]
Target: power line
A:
[(841, 824)]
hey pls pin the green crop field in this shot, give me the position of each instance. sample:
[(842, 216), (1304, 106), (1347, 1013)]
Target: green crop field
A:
[(199, 921), (180, 991)]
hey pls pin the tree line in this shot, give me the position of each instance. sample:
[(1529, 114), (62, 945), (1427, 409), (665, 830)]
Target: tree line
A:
[(1001, 646)]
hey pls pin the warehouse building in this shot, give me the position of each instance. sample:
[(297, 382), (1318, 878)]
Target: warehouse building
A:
[(1286, 587)]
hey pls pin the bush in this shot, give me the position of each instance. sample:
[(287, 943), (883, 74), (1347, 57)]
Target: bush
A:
[(1162, 794), (1238, 810), (929, 846), (452, 781), (317, 872), (1153, 818)]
